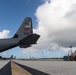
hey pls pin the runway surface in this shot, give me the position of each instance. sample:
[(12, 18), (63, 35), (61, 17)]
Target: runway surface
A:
[(48, 67)]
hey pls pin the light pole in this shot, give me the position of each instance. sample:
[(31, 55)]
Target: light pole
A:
[(42, 54)]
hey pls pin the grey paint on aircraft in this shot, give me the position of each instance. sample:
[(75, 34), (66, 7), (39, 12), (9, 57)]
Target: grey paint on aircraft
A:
[(23, 38)]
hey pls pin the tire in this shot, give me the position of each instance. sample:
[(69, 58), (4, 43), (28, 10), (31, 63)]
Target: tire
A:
[(75, 58)]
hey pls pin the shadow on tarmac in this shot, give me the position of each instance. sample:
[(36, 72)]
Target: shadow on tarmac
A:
[(6, 70), (31, 70)]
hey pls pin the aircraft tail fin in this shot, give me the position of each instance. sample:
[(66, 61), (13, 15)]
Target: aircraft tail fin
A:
[(25, 29)]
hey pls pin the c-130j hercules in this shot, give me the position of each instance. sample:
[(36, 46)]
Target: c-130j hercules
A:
[(23, 38)]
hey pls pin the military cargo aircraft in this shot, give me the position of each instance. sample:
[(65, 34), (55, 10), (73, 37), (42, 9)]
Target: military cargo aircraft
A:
[(23, 38)]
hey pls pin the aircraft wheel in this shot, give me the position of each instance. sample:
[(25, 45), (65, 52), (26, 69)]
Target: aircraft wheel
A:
[(75, 58), (65, 58)]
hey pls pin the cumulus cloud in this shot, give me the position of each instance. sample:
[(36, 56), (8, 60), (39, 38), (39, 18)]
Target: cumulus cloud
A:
[(4, 34), (56, 24)]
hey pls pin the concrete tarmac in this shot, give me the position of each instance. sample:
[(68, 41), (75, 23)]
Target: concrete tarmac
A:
[(49, 67)]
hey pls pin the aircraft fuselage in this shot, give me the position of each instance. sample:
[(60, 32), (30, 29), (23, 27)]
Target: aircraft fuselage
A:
[(8, 43)]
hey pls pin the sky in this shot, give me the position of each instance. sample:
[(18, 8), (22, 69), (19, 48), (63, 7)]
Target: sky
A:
[(53, 20)]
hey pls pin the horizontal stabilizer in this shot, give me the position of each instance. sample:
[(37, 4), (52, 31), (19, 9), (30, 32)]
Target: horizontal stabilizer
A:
[(24, 46), (31, 39)]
